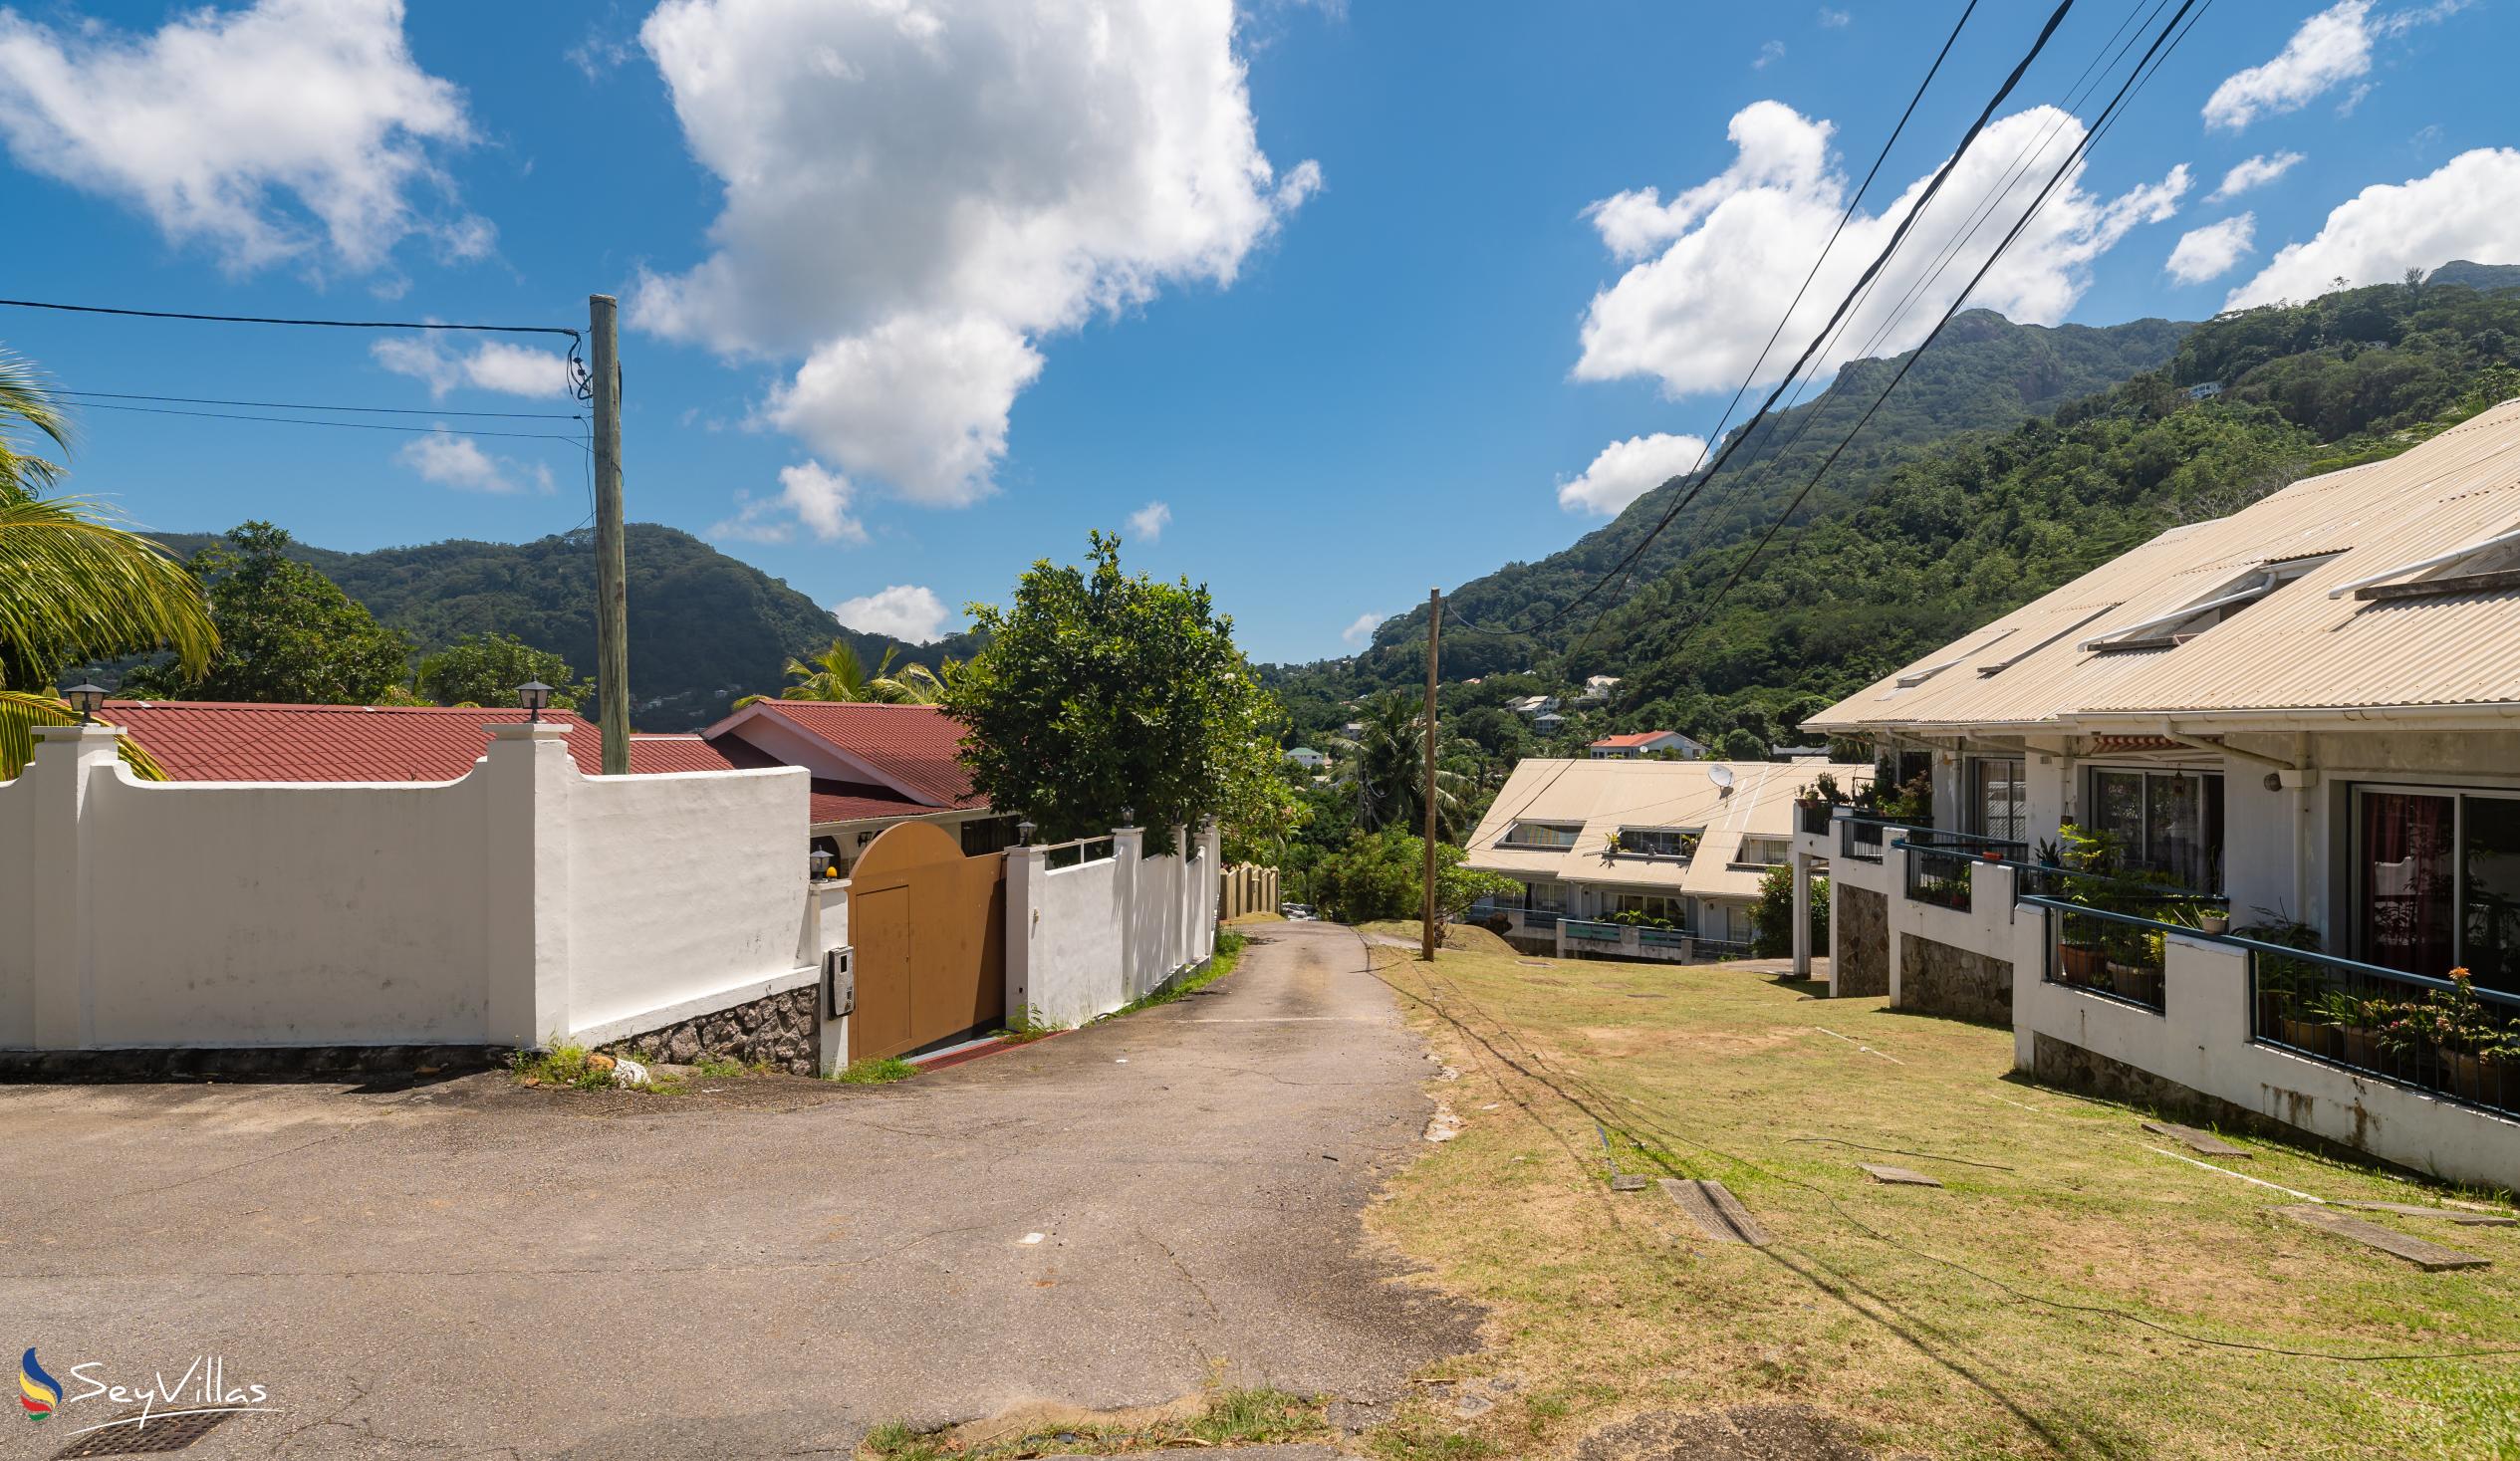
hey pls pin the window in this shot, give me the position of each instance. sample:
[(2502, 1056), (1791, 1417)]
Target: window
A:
[(1543, 834), (1762, 852), (2166, 822), (1659, 842), (1651, 906), (1998, 801), (2437, 883), (984, 835)]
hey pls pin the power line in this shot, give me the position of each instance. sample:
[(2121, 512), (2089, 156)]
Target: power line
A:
[(343, 425), (300, 406), (576, 363), (1871, 271), (2170, 35)]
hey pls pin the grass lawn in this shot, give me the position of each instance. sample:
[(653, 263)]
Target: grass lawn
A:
[(2009, 1312)]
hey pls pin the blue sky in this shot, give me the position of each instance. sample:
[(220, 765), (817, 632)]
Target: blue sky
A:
[(1368, 297)]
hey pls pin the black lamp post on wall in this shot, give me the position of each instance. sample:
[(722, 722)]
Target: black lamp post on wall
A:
[(534, 696), (86, 700)]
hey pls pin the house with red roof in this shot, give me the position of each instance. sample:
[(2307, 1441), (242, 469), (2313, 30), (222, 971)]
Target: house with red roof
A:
[(1638, 745), (228, 741), (873, 765)]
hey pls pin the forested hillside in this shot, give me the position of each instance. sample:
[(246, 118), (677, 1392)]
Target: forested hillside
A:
[(703, 626), (1924, 542)]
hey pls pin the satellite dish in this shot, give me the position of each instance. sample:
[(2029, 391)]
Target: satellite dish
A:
[(1721, 776)]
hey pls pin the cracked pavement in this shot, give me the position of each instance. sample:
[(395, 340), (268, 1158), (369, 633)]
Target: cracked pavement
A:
[(467, 1267)]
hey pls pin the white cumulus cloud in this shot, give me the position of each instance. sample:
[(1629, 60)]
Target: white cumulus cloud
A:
[(2462, 210), (2329, 48), (2255, 173), (1626, 470), (2210, 252), (1149, 522), (1361, 633), (1832, 20), (452, 460), (906, 611), (492, 365), (289, 130), (919, 192), (809, 493), (1720, 261)]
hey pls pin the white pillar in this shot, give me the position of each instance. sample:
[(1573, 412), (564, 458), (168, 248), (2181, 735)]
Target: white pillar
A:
[(62, 778), (1027, 890), (526, 778), (1802, 915), (1137, 944)]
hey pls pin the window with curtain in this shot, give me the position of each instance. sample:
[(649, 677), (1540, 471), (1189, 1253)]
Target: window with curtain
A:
[(2438, 878), (1998, 802)]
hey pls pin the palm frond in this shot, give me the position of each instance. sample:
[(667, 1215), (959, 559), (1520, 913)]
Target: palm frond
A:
[(20, 712), (75, 586), (26, 399)]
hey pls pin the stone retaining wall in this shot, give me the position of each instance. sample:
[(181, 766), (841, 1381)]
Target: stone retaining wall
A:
[(1938, 979), (1862, 941), (780, 1030)]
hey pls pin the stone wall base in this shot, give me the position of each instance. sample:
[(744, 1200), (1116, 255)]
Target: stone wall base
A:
[(778, 1029), (2060, 1062), (1938, 979), (249, 1063), (1863, 944)]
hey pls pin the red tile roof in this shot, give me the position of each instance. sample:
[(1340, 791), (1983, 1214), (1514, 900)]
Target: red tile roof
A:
[(1632, 738), (916, 747), (839, 800), (209, 740)]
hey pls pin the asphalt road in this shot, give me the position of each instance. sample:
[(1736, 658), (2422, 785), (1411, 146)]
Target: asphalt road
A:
[(468, 1268)]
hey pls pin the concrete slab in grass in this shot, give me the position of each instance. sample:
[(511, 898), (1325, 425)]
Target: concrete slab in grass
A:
[(1717, 1213), (1897, 1176), (2431, 1257), (2461, 1216)]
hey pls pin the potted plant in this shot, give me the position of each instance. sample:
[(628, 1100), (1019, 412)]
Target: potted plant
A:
[(2214, 922), (2351, 1024)]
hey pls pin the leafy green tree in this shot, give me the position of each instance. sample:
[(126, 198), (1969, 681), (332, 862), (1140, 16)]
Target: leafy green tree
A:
[(1103, 695), (1381, 876), (485, 670), (1383, 766), (1772, 916), (287, 634)]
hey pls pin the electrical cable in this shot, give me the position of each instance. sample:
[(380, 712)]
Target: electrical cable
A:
[(299, 405), (2099, 128), (344, 425), (1897, 237), (580, 380)]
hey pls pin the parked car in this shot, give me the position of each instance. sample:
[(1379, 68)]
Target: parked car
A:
[(1296, 913)]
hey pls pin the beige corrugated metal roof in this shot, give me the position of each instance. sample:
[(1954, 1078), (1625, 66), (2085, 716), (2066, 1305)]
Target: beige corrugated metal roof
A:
[(2294, 648), (1603, 796)]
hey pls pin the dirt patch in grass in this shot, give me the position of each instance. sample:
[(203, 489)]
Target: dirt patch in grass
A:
[(2066, 1293)]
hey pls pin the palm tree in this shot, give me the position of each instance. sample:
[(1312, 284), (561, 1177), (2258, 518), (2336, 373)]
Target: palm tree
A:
[(1384, 764), (73, 585), (837, 675), (916, 684)]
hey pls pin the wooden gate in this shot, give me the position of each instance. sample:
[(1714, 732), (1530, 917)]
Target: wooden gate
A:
[(929, 927)]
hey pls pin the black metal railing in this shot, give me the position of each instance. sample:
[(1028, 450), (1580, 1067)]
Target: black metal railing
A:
[(1938, 876), (1860, 838), (2097, 951), (2437, 1035), (1078, 853), (2002, 848), (1815, 816), (1530, 918)]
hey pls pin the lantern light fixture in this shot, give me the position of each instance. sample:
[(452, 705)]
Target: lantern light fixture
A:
[(535, 697), (87, 699)]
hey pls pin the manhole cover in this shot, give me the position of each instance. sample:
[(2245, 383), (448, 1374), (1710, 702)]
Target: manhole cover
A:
[(139, 1434)]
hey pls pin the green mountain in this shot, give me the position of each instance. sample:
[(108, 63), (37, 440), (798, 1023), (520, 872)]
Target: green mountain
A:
[(1938, 527), (704, 627), (2476, 276)]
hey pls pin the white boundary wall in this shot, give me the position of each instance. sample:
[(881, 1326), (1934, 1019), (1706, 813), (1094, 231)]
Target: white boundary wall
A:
[(521, 903), (1083, 941)]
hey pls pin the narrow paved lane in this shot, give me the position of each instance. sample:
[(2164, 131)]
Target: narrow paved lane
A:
[(471, 1268)]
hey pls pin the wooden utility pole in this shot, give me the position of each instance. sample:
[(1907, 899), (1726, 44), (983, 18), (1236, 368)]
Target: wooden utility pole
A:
[(1430, 933), (612, 591)]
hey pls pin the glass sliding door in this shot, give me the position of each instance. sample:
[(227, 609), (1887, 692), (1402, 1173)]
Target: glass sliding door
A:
[(2437, 882), (2165, 821)]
